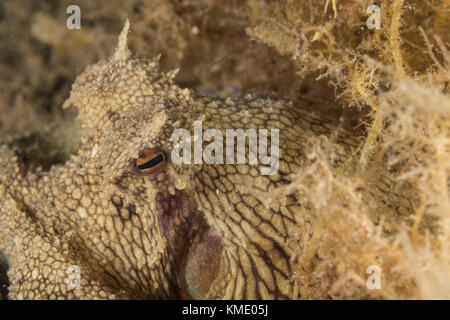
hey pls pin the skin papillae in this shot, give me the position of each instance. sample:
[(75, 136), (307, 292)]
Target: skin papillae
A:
[(189, 231)]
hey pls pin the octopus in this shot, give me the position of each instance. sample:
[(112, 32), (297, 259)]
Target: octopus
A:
[(117, 218)]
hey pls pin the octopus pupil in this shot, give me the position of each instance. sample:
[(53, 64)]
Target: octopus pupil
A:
[(152, 163)]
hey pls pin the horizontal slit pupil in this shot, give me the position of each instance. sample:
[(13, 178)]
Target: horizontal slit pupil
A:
[(151, 163)]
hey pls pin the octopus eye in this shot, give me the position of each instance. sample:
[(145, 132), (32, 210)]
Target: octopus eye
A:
[(150, 161)]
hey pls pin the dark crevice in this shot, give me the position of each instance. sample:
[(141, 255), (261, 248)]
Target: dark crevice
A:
[(4, 280), (52, 146)]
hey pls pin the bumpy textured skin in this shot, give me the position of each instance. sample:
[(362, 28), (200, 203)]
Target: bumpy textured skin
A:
[(192, 231)]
